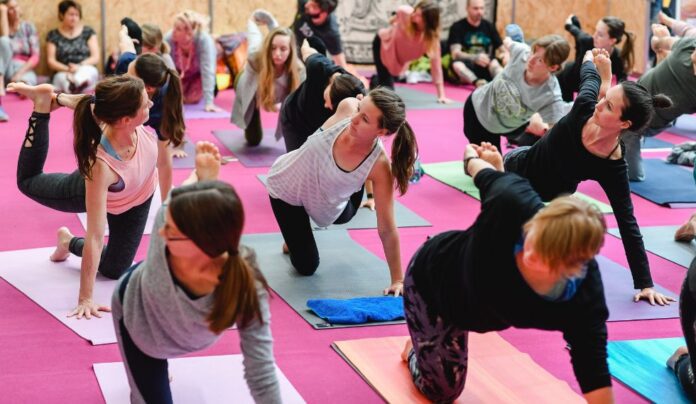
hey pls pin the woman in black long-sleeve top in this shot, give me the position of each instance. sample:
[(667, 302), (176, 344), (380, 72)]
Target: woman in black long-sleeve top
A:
[(608, 34), (585, 145)]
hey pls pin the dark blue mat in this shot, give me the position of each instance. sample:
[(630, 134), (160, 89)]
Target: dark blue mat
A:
[(655, 143), (665, 183)]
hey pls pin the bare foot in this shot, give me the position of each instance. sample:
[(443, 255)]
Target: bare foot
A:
[(62, 251), (687, 231), (407, 350), (286, 250), (672, 361), (42, 95), (207, 161)]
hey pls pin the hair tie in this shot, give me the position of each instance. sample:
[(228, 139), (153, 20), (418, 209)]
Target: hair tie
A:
[(93, 99), (233, 252)]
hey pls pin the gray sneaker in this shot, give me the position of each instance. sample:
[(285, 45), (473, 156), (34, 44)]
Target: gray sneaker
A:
[(3, 115)]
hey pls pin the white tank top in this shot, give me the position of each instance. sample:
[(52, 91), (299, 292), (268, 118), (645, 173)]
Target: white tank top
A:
[(310, 177)]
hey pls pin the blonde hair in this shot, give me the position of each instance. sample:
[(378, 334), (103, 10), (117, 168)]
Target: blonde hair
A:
[(197, 21), (265, 96), (152, 38), (567, 231)]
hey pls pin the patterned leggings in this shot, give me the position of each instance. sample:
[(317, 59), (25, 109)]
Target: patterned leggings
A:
[(438, 361)]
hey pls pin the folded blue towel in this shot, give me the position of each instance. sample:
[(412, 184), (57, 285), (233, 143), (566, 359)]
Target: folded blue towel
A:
[(358, 310)]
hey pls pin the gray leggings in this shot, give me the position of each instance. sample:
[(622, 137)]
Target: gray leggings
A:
[(66, 193)]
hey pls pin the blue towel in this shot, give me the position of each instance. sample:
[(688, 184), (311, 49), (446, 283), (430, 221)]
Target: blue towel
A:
[(358, 310)]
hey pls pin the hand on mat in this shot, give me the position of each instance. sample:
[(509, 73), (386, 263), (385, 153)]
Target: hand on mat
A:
[(687, 231), (443, 100), (207, 161), (179, 152), (396, 288), (653, 297), (87, 308), (368, 203), (212, 108)]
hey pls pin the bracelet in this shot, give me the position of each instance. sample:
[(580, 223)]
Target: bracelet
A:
[(370, 196), (466, 164), (58, 101)]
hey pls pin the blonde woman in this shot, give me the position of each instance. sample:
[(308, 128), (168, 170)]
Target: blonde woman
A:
[(414, 31), (273, 70), (194, 54)]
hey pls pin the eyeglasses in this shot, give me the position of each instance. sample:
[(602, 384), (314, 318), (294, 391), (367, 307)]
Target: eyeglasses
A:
[(166, 231)]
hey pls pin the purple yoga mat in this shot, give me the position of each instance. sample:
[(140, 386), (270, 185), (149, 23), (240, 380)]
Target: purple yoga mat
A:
[(618, 292), (262, 155), (197, 111), (54, 286), (186, 162), (203, 379)]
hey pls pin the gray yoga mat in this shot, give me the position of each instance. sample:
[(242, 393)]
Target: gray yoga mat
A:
[(659, 240), (347, 270), (262, 155), (186, 162), (416, 99), (367, 219)]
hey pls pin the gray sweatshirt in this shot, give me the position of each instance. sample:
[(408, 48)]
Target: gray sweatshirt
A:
[(164, 322), (207, 58)]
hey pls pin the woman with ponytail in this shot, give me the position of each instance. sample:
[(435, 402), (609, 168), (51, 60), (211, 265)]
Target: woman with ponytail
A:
[(273, 70), (196, 282), (163, 86), (324, 178), (114, 183), (609, 32), (586, 145)]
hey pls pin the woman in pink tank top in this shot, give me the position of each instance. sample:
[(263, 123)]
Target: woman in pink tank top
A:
[(114, 183)]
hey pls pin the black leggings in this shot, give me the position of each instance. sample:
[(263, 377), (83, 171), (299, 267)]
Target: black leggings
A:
[(254, 132), (687, 313), (66, 193), (384, 78), (297, 231), (476, 133)]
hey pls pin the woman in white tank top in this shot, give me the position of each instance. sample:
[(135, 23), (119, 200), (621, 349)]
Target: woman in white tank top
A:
[(324, 178)]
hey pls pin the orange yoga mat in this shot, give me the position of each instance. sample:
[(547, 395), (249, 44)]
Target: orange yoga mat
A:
[(498, 372)]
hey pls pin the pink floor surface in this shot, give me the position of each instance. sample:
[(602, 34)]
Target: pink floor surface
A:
[(42, 361)]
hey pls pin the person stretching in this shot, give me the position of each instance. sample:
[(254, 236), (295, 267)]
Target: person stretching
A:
[(114, 183), (324, 178), (196, 281), (537, 261), (585, 145)]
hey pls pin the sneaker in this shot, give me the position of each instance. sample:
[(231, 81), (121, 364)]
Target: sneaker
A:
[(3, 115)]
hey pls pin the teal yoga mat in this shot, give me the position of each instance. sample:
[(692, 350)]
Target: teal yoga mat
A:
[(640, 365)]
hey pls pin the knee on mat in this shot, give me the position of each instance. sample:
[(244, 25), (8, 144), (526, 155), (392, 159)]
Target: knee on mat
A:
[(306, 267), (253, 142), (112, 273)]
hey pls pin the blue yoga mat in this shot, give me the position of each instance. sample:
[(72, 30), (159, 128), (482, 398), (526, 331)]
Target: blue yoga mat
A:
[(358, 310), (640, 365), (665, 183), (655, 143)]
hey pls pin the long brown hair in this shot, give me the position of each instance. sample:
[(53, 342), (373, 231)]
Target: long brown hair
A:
[(152, 38), (617, 30), (431, 18), (265, 96), (155, 73), (114, 98), (211, 214), (404, 148)]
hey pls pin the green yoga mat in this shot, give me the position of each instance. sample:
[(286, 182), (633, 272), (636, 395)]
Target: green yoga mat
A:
[(452, 173), (640, 365)]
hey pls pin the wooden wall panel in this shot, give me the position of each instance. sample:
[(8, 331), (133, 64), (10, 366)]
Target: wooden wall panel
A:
[(537, 21)]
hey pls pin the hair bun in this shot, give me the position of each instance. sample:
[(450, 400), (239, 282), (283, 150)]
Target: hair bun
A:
[(661, 101)]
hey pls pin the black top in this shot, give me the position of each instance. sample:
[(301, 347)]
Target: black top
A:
[(569, 78), (559, 161), (327, 32), (470, 278), (475, 40), (71, 50), (303, 109)]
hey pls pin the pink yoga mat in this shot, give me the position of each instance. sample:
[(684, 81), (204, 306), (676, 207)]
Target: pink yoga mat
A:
[(154, 207), (203, 379), (197, 111), (263, 155), (54, 287), (618, 292)]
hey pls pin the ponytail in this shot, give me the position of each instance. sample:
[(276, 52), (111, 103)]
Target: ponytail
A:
[(87, 135), (661, 101), (627, 53), (403, 156), (173, 124), (164, 48), (235, 298)]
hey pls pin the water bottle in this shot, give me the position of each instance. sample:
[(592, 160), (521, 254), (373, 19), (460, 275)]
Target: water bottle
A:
[(417, 172)]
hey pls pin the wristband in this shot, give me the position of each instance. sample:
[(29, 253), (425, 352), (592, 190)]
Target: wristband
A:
[(466, 164), (57, 101), (370, 196)]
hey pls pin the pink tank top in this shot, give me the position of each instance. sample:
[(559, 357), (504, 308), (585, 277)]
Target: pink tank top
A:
[(139, 174)]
